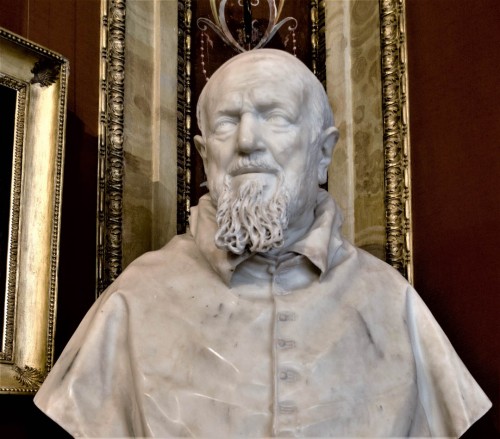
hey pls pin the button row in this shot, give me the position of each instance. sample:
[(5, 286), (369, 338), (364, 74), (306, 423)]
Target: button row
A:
[(287, 375)]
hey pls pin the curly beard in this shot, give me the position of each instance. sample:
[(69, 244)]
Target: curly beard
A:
[(246, 221)]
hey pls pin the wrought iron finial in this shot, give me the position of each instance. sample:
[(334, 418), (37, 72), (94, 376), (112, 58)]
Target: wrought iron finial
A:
[(249, 37)]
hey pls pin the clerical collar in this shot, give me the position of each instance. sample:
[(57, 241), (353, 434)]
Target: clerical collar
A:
[(319, 244)]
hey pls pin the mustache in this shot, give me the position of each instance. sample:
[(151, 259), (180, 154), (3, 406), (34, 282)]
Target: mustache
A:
[(248, 164)]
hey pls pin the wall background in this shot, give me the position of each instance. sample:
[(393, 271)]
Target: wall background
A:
[(453, 58), (454, 109)]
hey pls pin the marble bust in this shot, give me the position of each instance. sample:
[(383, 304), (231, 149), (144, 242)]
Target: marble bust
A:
[(261, 320)]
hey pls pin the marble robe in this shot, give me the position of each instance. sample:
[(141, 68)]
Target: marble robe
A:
[(322, 340)]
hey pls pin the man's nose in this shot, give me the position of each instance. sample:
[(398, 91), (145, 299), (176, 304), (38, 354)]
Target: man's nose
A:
[(249, 138)]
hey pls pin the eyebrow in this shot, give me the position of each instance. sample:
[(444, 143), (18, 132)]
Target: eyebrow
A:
[(264, 101), (266, 106), (229, 103)]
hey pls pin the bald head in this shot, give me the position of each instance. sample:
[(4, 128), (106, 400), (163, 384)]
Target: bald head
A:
[(257, 66)]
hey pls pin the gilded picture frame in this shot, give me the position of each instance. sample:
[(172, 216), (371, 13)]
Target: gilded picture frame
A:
[(36, 78), (116, 164)]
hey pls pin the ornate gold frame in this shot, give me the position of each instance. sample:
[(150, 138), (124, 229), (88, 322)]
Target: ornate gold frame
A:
[(39, 77), (110, 164), (396, 136), (395, 128)]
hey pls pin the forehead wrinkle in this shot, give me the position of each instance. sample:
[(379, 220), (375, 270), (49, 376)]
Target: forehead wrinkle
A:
[(289, 100), (259, 97), (261, 93), (228, 102)]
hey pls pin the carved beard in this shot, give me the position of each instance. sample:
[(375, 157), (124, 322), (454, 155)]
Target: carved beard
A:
[(247, 221)]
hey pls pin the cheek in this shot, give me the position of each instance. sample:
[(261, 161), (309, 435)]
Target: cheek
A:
[(217, 161), (215, 176), (288, 146), (301, 174), (299, 164), (217, 164), (219, 151)]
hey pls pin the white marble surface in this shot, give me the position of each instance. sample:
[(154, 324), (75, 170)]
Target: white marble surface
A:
[(172, 350), (304, 336)]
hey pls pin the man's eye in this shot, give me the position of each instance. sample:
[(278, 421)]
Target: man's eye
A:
[(277, 119), (225, 125)]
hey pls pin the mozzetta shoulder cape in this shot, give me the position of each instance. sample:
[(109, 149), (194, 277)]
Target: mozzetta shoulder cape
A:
[(324, 340)]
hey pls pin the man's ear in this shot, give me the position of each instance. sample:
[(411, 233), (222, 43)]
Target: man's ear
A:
[(327, 142), (201, 147)]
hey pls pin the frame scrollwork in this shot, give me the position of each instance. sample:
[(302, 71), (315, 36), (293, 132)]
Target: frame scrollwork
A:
[(110, 161), (183, 114), (396, 136)]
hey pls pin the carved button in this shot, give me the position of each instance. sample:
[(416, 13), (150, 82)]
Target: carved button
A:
[(271, 269), (286, 316), (286, 344), (287, 407), (289, 375)]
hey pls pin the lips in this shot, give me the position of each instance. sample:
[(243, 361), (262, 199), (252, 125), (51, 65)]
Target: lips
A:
[(251, 170), (246, 166)]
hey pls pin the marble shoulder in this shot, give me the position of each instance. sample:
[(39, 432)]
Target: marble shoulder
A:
[(165, 266), (180, 246), (375, 267), (363, 275)]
